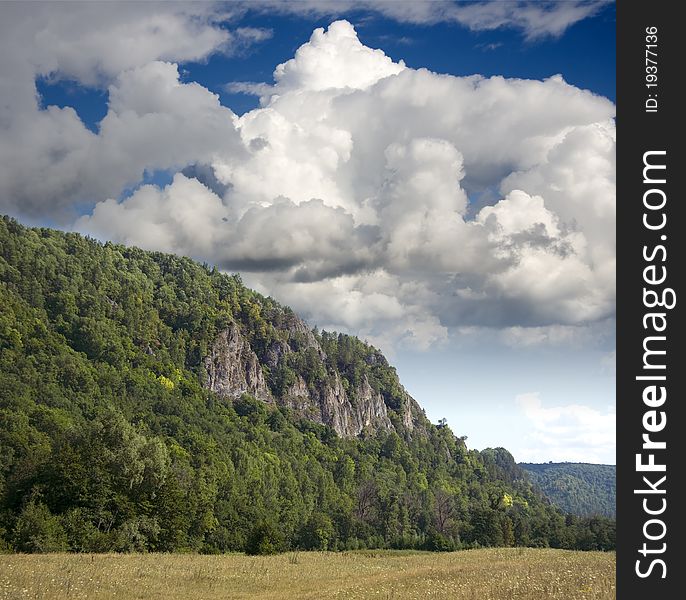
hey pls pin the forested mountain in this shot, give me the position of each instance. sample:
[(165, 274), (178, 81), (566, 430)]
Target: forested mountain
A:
[(581, 489), (148, 402)]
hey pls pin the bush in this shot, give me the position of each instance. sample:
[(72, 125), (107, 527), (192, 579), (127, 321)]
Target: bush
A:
[(437, 542), (265, 538), (38, 530)]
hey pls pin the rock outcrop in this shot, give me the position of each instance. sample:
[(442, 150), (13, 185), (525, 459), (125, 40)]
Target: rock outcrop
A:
[(233, 368), (411, 414), (349, 414)]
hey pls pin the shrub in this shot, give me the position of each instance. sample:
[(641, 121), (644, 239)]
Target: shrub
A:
[(265, 538), (38, 530), (437, 542)]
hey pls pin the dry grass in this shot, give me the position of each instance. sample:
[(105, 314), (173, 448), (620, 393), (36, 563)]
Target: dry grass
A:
[(496, 574)]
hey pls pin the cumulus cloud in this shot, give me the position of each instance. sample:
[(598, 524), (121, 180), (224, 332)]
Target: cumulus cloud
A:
[(353, 181), (154, 122), (334, 58), (384, 309), (186, 217), (96, 42), (349, 192), (572, 432)]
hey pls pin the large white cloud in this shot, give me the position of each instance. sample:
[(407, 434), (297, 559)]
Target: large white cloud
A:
[(349, 196), (391, 202)]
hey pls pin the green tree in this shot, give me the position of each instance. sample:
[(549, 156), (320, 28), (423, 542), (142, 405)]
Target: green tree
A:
[(317, 533)]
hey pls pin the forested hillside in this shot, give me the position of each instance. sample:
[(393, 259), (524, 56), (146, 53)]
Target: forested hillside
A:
[(148, 402), (581, 489)]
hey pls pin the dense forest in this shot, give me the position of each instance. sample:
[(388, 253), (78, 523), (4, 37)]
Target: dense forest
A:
[(580, 489), (117, 435)]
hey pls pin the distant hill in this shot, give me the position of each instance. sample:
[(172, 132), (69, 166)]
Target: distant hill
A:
[(581, 489)]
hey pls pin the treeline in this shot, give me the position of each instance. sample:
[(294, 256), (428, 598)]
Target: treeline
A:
[(109, 440), (580, 489)]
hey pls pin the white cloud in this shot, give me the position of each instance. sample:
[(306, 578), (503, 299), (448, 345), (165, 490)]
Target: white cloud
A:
[(154, 122), (334, 58), (376, 306), (94, 42), (515, 215), (534, 18), (572, 432), (250, 88), (244, 37), (346, 194), (179, 218)]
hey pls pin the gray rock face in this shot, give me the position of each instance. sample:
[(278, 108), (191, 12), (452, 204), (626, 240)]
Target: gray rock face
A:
[(329, 404), (412, 415), (299, 399), (275, 353), (233, 368), (370, 408), (301, 335), (351, 414)]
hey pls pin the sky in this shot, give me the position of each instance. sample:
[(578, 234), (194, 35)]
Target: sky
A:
[(437, 178)]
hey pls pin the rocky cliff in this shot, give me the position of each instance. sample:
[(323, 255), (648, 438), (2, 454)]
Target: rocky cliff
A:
[(351, 408), (233, 368)]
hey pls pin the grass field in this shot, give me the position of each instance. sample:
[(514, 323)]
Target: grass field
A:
[(494, 574)]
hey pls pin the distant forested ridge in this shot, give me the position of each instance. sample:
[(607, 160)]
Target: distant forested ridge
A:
[(151, 403), (580, 489)]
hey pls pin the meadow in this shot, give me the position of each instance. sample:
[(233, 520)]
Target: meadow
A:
[(485, 574)]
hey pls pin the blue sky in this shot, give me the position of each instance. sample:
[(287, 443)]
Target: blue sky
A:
[(463, 225)]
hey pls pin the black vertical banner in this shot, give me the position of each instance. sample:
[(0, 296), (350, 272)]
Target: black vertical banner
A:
[(651, 442)]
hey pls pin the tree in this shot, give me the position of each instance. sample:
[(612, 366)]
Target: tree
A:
[(317, 533), (443, 510), (366, 498)]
